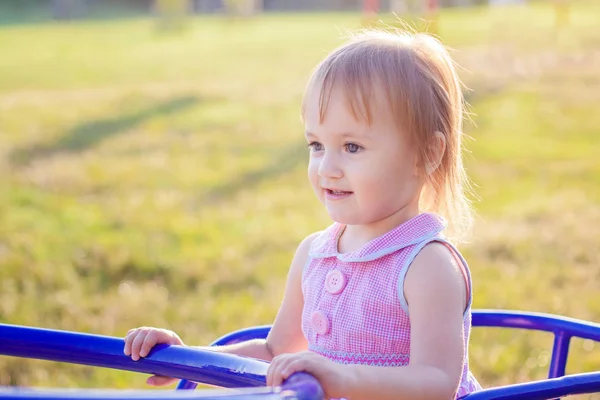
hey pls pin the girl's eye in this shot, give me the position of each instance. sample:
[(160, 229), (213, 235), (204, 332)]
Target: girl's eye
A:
[(315, 146), (353, 148)]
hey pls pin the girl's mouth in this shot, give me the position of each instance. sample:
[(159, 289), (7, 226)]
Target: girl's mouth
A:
[(335, 194)]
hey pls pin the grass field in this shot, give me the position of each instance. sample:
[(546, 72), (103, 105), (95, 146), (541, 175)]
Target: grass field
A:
[(152, 179)]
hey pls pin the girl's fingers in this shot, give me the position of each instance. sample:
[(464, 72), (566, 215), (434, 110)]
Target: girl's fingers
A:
[(137, 344), (151, 339), (280, 363), (129, 340), (297, 365), (140, 341), (271, 370), (157, 380)]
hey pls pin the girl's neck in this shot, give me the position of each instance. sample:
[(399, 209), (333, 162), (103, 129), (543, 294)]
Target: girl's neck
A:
[(355, 236)]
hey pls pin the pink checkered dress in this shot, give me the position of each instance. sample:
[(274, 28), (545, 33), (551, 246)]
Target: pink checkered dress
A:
[(354, 306)]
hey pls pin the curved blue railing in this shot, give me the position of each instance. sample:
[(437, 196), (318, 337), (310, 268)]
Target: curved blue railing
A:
[(542, 390), (300, 386), (180, 362), (103, 351), (563, 328), (196, 365)]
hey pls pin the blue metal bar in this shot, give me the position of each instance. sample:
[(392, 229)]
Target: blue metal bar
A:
[(242, 335), (192, 364), (101, 351), (537, 321), (184, 384), (86, 394), (560, 352), (542, 390), (300, 386)]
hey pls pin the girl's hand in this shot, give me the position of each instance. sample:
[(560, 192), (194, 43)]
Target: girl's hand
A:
[(330, 375), (140, 341)]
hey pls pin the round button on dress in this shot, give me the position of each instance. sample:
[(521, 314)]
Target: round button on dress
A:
[(320, 322), (335, 282)]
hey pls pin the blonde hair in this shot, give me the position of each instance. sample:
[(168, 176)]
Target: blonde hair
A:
[(423, 92)]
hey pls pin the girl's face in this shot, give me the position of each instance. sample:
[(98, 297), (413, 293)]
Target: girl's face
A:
[(363, 174)]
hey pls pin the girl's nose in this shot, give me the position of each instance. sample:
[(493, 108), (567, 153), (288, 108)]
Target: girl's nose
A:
[(330, 167)]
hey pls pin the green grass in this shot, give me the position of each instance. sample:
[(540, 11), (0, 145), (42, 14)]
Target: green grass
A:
[(159, 179)]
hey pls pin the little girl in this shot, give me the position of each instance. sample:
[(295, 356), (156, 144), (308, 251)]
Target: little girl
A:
[(378, 305)]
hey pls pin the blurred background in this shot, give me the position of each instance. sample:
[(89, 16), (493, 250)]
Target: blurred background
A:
[(152, 165)]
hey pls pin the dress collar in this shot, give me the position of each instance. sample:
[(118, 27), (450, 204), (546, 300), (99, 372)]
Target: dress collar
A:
[(415, 230)]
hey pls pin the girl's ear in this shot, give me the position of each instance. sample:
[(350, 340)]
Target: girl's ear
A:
[(436, 152)]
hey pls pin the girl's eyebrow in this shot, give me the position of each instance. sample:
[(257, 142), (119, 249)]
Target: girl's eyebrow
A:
[(343, 135)]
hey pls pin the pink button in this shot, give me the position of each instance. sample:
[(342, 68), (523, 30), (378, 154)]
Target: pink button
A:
[(320, 322), (335, 282)]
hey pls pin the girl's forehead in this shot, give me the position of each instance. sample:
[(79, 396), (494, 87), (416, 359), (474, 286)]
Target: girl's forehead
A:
[(345, 109)]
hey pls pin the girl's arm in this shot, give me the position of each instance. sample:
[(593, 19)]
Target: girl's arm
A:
[(286, 334), (436, 293)]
